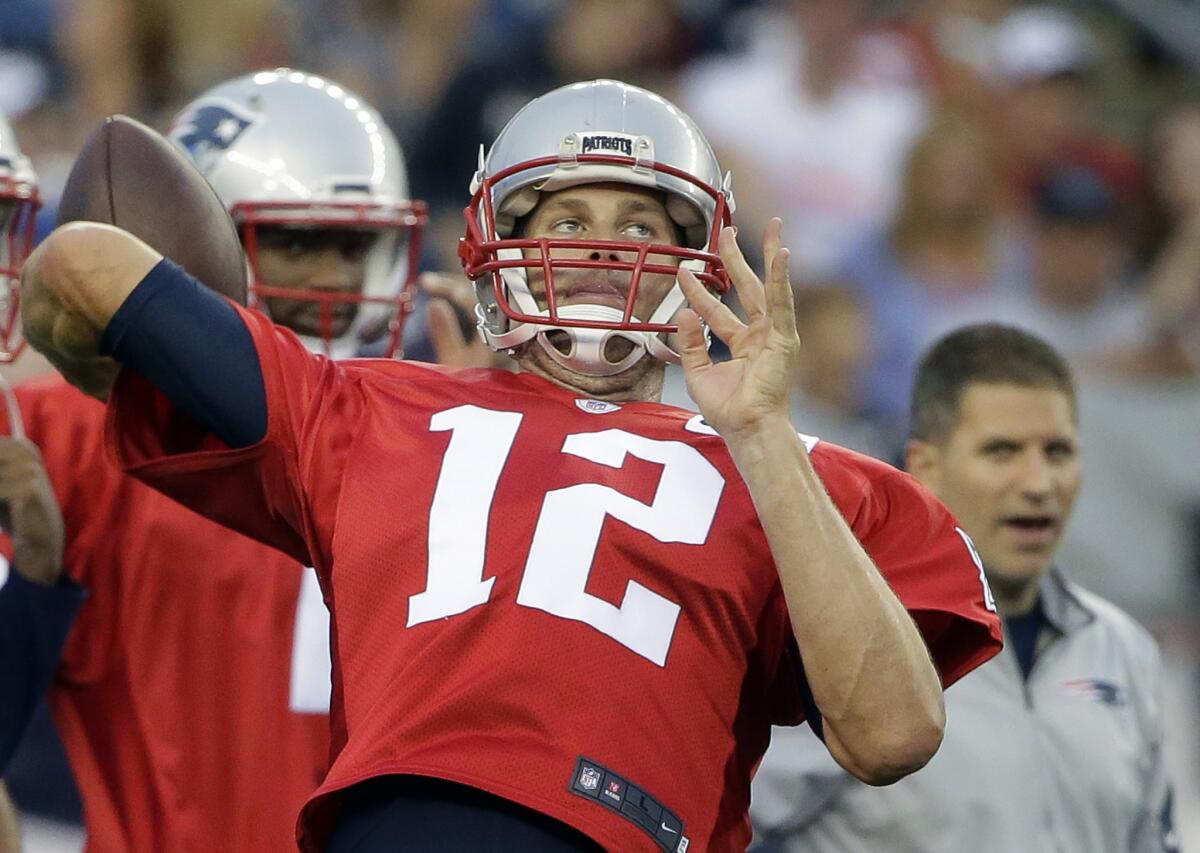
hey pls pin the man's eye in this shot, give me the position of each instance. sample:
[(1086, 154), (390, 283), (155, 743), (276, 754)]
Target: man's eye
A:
[(1000, 451), (355, 247), (1060, 452), (568, 226), (638, 231)]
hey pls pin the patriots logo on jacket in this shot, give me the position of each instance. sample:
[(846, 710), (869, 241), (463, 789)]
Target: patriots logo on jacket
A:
[(1097, 690), (208, 129)]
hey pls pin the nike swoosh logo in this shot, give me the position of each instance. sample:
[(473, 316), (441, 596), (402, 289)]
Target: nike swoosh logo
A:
[(669, 829)]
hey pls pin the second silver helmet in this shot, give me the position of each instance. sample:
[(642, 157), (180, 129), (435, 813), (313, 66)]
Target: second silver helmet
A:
[(284, 148)]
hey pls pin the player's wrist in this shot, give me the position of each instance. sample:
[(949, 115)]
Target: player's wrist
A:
[(762, 448), (767, 433)]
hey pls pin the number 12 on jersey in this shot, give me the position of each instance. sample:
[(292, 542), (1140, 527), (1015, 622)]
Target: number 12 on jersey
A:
[(568, 528)]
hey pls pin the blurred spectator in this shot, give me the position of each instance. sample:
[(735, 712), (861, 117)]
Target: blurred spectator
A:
[(954, 38), (400, 54), (1081, 297), (835, 336), (949, 243), (1173, 282), (835, 346), (148, 56), (814, 120), (1041, 63), (637, 41)]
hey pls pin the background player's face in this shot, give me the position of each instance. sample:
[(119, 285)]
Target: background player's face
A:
[(603, 212), (1010, 471), (331, 260)]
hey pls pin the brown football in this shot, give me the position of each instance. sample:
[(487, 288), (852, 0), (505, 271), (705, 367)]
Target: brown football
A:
[(131, 177)]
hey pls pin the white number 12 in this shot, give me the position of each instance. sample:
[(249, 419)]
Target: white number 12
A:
[(568, 529)]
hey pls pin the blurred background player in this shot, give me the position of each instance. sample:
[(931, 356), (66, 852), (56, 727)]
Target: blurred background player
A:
[(37, 606), (686, 611), (1058, 741), (193, 696)]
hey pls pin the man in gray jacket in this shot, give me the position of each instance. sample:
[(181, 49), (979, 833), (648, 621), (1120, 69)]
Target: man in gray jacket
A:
[(1054, 746)]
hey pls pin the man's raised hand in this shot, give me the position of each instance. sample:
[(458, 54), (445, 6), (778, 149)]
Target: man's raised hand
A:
[(753, 387)]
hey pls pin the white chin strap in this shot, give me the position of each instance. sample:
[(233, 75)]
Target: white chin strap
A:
[(586, 353), (340, 348)]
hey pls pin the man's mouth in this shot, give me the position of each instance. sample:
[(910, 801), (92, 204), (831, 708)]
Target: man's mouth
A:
[(1032, 530), (336, 318), (595, 293)]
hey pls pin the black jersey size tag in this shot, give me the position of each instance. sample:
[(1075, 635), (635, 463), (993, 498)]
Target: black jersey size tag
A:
[(618, 794)]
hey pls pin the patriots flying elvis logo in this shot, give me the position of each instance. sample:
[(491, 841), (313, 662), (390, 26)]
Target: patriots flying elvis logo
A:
[(1097, 690), (209, 128)]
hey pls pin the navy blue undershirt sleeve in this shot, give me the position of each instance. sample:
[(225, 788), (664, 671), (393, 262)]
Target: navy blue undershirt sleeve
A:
[(34, 622), (192, 345), (812, 714)]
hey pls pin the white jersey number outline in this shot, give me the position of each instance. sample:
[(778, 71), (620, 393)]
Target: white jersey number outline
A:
[(568, 529), (311, 681), (988, 601)]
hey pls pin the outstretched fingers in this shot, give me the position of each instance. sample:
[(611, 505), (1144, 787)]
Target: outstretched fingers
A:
[(693, 348), (711, 309), (772, 242), (780, 305), (745, 281)]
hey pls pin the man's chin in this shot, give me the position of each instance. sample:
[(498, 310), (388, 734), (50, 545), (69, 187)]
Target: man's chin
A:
[(627, 385), (313, 329), (1016, 574)]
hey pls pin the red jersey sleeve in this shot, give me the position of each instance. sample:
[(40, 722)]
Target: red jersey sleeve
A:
[(931, 565), (927, 560), (256, 490)]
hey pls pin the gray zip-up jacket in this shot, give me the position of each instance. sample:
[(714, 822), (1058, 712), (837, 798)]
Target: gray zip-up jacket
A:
[(1070, 761)]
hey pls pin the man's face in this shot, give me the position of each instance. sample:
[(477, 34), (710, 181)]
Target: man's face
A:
[(603, 212), (1076, 262), (1010, 471), (316, 260), (1046, 115)]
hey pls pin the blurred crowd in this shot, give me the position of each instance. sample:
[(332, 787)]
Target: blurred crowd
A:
[(935, 162)]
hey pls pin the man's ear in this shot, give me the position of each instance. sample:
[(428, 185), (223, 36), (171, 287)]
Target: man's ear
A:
[(923, 460)]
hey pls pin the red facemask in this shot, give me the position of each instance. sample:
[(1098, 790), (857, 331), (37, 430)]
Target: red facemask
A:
[(407, 220), (22, 203), (480, 251)]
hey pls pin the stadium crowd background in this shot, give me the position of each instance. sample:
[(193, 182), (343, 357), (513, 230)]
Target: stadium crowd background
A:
[(935, 162)]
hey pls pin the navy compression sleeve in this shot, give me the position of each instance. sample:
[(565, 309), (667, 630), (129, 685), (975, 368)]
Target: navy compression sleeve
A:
[(34, 622), (192, 346)]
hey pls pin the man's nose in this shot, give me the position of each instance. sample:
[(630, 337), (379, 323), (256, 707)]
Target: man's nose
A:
[(611, 255), (1036, 476), (330, 271)]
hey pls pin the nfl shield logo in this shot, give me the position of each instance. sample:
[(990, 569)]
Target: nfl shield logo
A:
[(597, 407), (589, 778)]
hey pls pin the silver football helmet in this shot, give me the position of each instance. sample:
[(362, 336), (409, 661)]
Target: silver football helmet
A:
[(284, 148), (600, 131), (19, 203)]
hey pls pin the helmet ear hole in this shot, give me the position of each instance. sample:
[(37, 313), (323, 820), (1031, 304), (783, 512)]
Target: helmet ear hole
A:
[(560, 340)]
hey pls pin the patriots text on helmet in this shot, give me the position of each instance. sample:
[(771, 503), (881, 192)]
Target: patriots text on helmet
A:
[(605, 143)]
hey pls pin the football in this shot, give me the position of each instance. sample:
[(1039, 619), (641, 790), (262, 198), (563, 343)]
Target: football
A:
[(129, 176)]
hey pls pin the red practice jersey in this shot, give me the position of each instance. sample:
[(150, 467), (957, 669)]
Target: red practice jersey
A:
[(193, 692), (565, 602)]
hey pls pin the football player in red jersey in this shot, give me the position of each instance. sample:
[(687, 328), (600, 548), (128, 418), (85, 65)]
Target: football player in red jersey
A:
[(564, 614), (36, 609), (192, 697)]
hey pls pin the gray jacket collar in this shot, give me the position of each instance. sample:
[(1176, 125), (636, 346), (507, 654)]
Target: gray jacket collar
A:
[(1064, 610)]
